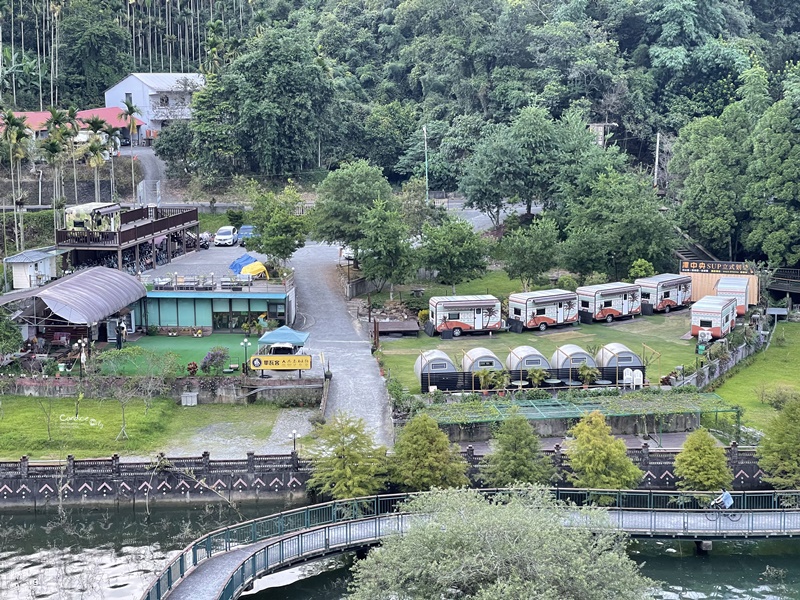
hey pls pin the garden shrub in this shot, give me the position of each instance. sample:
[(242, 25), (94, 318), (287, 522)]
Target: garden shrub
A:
[(217, 359)]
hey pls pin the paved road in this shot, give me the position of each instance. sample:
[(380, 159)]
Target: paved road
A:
[(357, 387), (152, 166)]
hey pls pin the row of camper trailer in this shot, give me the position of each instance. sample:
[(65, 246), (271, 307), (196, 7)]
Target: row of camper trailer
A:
[(611, 357), (547, 308)]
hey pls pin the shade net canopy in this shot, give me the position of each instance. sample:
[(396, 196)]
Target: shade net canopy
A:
[(284, 335), (85, 297)]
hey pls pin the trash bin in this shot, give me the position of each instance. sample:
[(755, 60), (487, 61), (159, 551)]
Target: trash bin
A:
[(447, 334)]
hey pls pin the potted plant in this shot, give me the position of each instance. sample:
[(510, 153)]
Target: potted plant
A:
[(172, 332), (588, 375), (501, 380), (537, 377), (486, 379)]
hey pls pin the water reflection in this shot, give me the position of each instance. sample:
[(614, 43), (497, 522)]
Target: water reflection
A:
[(77, 554)]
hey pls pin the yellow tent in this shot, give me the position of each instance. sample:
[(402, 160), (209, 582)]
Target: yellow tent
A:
[(256, 269)]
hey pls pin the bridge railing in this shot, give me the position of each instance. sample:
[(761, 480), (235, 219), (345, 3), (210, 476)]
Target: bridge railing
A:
[(339, 511)]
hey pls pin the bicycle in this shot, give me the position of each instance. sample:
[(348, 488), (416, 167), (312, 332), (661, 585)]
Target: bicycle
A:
[(717, 510)]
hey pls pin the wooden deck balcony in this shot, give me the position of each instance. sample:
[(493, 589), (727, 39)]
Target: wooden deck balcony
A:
[(138, 225)]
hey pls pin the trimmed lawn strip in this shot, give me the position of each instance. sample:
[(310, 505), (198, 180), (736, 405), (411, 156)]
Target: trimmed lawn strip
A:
[(495, 283), (23, 426), (778, 366), (660, 332), (212, 222)]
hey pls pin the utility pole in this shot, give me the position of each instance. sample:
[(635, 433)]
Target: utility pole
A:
[(427, 189), (655, 170)]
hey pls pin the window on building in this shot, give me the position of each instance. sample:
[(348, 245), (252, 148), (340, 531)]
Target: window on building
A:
[(532, 362), (163, 100), (666, 294), (438, 366), (541, 311), (584, 304), (128, 97), (453, 316), (485, 363), (645, 295), (704, 323), (607, 304), (517, 312)]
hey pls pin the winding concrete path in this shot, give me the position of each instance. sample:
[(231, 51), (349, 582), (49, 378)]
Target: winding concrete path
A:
[(357, 387)]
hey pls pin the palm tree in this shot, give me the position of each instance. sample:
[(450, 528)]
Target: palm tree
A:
[(53, 149), (72, 120), (15, 133), (129, 114), (112, 141), (96, 151)]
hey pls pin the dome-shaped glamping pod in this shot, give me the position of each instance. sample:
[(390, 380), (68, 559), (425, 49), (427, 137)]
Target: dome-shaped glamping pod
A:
[(526, 358), (618, 356), (571, 356), (478, 359), (433, 361)]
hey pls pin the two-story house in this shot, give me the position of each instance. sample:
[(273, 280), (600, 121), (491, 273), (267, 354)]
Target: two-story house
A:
[(161, 98)]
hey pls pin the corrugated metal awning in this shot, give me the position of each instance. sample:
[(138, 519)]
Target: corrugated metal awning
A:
[(85, 297)]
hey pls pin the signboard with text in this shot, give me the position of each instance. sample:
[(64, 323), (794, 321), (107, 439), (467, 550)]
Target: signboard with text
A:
[(280, 362), (716, 266)]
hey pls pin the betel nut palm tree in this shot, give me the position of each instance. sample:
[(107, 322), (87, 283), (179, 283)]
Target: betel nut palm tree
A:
[(129, 115), (96, 150)]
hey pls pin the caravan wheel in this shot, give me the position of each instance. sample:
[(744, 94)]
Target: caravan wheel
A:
[(609, 318), (542, 326), (457, 332), (666, 309)]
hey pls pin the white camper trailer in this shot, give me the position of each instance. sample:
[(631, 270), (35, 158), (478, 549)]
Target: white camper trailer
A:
[(666, 291), (715, 314), (735, 287), (608, 301), (543, 308), (461, 314)]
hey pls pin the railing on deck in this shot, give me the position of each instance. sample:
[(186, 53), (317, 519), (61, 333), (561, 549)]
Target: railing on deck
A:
[(776, 508), (166, 220)]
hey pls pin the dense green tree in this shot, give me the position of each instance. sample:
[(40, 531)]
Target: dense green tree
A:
[(346, 461), (386, 131), (701, 464), (279, 228), (529, 251), (778, 450), (10, 335), (453, 250), (516, 456), (417, 209), (174, 145), (641, 268), (519, 546), (598, 459), (345, 196), (424, 458), (385, 251), (92, 52)]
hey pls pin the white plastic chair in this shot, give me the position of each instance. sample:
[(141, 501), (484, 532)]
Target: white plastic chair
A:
[(638, 379), (627, 377)]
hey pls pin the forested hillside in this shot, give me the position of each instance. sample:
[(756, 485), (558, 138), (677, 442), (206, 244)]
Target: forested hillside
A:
[(500, 91)]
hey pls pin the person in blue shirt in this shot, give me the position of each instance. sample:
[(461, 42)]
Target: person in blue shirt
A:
[(724, 500)]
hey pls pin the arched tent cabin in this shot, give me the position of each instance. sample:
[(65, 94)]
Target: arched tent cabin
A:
[(526, 358), (567, 359), (433, 361), (479, 359), (612, 360), (434, 369)]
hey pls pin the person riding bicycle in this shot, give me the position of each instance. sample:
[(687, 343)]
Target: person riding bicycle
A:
[(723, 501)]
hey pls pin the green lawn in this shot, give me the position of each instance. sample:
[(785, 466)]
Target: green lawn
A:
[(212, 221), (777, 366), (23, 426), (496, 283), (661, 333), (190, 349)]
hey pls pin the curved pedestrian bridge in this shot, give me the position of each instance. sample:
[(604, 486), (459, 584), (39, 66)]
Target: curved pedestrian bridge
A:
[(223, 563)]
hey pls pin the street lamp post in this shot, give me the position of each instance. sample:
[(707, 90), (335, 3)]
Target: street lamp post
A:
[(245, 343), (425, 137), (293, 435), (81, 345)]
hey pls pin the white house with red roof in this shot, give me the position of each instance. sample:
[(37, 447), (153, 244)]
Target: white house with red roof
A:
[(161, 98), (36, 121)]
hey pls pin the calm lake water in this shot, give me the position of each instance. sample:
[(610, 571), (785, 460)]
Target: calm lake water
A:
[(113, 555)]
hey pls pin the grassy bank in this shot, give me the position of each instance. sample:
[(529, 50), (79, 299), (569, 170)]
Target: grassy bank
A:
[(660, 333), (775, 367), (24, 421)]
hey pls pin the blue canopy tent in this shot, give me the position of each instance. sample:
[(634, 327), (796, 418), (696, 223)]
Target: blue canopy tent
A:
[(283, 335), (241, 262)]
